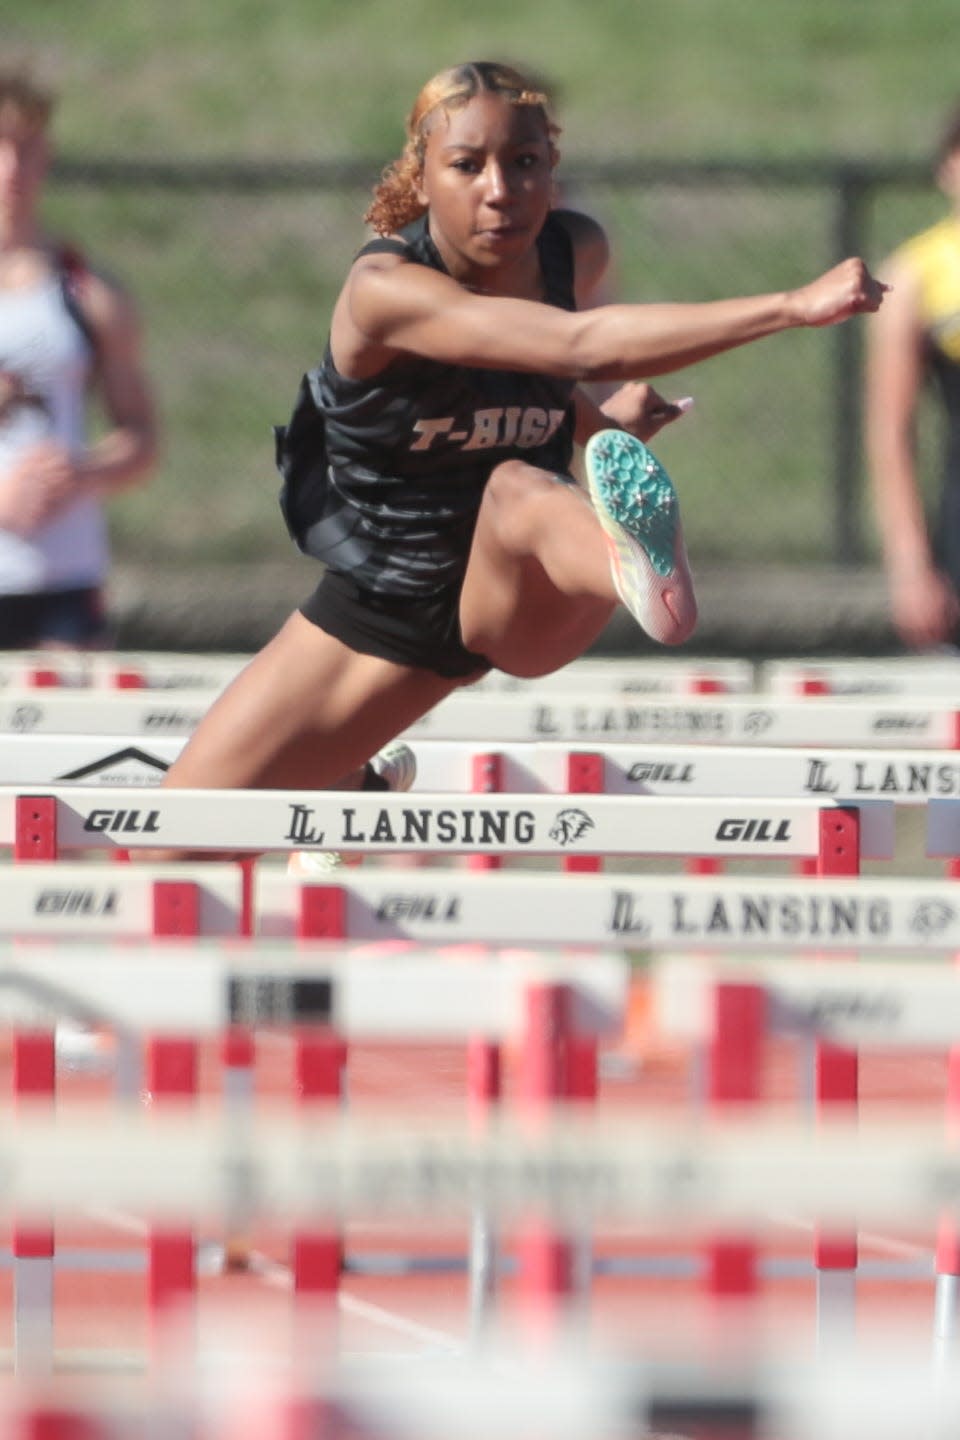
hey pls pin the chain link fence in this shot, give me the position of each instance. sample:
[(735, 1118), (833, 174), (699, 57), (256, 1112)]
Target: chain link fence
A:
[(236, 268)]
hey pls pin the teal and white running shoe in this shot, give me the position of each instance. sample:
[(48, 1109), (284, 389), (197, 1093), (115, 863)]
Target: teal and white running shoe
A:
[(635, 502)]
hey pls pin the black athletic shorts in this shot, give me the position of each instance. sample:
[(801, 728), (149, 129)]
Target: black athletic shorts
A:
[(67, 617), (423, 632)]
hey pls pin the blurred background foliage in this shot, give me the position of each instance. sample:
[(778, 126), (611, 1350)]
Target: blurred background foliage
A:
[(217, 156)]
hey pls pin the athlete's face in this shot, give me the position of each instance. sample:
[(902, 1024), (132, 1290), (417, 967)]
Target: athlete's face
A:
[(488, 182), (24, 155)]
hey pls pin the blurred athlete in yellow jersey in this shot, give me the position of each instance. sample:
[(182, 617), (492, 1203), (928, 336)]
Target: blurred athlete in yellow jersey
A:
[(915, 338)]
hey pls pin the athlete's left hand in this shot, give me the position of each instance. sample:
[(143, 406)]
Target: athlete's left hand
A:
[(641, 410)]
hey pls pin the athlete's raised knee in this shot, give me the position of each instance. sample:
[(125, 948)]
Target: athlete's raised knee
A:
[(513, 501)]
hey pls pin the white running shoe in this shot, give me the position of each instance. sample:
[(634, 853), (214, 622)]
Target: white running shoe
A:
[(636, 504), (396, 765)]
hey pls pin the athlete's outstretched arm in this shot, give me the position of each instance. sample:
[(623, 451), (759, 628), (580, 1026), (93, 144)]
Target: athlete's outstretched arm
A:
[(407, 308)]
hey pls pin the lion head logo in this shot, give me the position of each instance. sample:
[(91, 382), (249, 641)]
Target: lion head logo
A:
[(931, 918), (569, 825), (757, 722)]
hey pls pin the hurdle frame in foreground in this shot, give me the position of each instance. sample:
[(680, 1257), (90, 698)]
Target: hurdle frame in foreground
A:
[(185, 990), (927, 723), (41, 826), (444, 906), (883, 1392), (733, 1003)]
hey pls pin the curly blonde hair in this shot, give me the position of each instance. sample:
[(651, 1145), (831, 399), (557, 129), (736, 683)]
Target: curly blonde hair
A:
[(395, 201)]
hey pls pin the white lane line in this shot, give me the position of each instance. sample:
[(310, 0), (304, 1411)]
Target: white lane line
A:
[(273, 1272)]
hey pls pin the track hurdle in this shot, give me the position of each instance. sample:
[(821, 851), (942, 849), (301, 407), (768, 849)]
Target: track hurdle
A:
[(449, 907), (943, 839), (44, 825), (882, 1392), (165, 670), (117, 670), (698, 720), (62, 901), (86, 759), (186, 1165), (931, 674), (226, 1392), (607, 719), (634, 675), (308, 1171), (183, 991), (909, 777), (732, 1004)]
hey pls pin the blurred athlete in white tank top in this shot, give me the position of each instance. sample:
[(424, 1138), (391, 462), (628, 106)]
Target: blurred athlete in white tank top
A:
[(64, 330)]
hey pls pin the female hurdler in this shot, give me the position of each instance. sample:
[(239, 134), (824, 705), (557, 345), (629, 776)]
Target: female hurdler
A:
[(427, 460)]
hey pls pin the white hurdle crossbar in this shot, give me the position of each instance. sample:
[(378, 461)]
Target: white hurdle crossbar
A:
[(908, 777), (161, 670), (439, 906), (202, 987), (675, 1173), (446, 907), (755, 721), (40, 826), (66, 900), (567, 1391), (877, 675)]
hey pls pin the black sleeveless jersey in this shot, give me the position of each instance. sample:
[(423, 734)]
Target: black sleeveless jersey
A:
[(383, 478)]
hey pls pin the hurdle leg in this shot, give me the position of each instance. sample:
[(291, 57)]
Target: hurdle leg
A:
[(733, 1065), (484, 1077), (947, 1289), (483, 1093), (837, 1092), (34, 1080), (586, 775), (835, 1257), (171, 1271), (238, 1051), (317, 1255), (545, 1256)]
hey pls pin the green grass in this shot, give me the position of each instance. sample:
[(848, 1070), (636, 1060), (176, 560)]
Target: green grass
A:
[(663, 77), (236, 290)]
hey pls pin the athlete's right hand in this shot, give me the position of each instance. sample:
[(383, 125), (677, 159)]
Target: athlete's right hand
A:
[(37, 484), (848, 289), (923, 606)]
